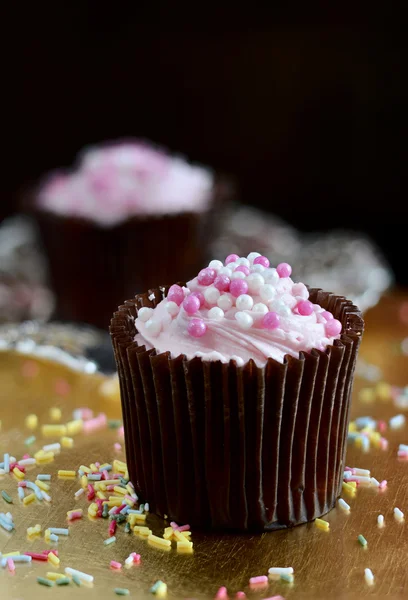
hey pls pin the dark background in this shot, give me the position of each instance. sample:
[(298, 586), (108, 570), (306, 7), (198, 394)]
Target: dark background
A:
[(309, 116)]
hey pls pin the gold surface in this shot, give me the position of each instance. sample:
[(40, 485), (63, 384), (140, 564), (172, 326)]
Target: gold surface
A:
[(327, 564)]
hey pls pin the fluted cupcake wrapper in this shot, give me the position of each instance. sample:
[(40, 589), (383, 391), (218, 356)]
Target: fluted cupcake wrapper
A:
[(227, 447)]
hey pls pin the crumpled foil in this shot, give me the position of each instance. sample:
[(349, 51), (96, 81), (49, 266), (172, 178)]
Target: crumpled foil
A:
[(342, 262)]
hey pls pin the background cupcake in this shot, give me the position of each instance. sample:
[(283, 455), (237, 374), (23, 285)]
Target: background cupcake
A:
[(236, 394), (127, 214)]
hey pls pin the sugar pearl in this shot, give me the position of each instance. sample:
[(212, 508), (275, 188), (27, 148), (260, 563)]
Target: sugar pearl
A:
[(271, 276), (153, 326), (300, 290), (257, 268), (225, 301), (244, 320), (327, 315), (305, 308), (252, 256), (172, 308), (215, 314), (243, 269), (254, 281), (211, 295), (191, 304), (284, 270), (238, 287), (244, 302), (333, 327), (200, 297), (238, 275), (260, 307), (206, 276), (270, 320), (262, 260), (145, 313), (231, 258), (196, 328), (280, 308), (267, 292), (243, 261), (222, 283), (225, 271), (215, 264), (175, 294), (233, 266)]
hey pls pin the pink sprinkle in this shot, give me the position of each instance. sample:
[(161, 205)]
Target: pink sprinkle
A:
[(98, 422), (222, 592), (402, 454), (46, 552), (112, 528), (86, 414), (348, 469), (382, 426), (275, 598), (136, 557), (10, 565), (110, 488), (26, 456), (121, 432), (115, 565), (262, 260), (174, 525), (383, 484), (117, 447), (231, 258), (62, 387), (240, 595), (76, 514), (91, 492), (105, 474), (383, 444), (284, 270), (21, 484), (119, 508), (184, 528), (261, 579)]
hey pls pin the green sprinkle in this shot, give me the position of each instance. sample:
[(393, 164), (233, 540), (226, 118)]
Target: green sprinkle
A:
[(127, 528), (121, 591), (288, 577), (6, 497), (118, 518), (44, 581), (63, 581), (76, 580), (109, 540), (105, 511), (156, 586), (123, 481), (30, 440), (114, 423), (361, 539)]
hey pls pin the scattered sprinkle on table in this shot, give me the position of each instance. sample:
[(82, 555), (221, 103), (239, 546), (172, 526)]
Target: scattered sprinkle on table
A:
[(343, 504), (398, 514), (368, 576), (44, 581), (361, 540), (322, 524), (6, 497), (380, 520), (121, 591)]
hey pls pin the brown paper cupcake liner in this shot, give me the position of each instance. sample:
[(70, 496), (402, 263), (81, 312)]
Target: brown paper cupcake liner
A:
[(226, 447)]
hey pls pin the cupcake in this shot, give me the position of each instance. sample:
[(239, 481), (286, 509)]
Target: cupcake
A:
[(235, 391), (126, 214)]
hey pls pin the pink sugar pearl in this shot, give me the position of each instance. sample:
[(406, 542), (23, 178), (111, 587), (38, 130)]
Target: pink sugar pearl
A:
[(243, 269), (222, 283), (231, 258), (238, 287), (305, 308), (175, 294), (284, 270), (270, 320), (200, 297), (196, 328), (191, 304), (206, 276), (262, 260), (327, 315), (333, 327)]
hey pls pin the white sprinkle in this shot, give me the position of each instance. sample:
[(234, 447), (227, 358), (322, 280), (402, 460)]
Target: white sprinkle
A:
[(244, 320), (380, 520), (146, 507), (6, 460), (129, 559), (375, 482), (276, 572), (347, 474), (20, 492), (368, 576), (24, 462), (59, 530), (152, 296), (46, 496), (363, 472), (260, 307), (215, 313), (343, 504), (244, 302), (172, 308), (79, 574), (153, 326), (52, 447), (211, 295), (145, 313), (215, 264), (398, 514), (403, 447), (397, 422), (363, 481), (79, 492)]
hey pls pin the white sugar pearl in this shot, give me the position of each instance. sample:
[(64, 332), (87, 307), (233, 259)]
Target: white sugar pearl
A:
[(145, 313), (243, 261), (252, 256), (216, 264), (215, 314), (211, 295), (300, 290), (280, 308), (267, 292), (244, 320), (257, 268), (238, 275), (153, 327), (225, 301), (244, 302), (260, 307), (254, 281), (271, 276), (232, 266), (225, 271), (172, 308)]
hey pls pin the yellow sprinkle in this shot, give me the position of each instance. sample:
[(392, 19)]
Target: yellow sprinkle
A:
[(53, 430), (55, 413), (115, 501), (92, 510), (53, 559), (158, 541), (383, 390), (106, 482), (352, 427), (43, 457), (16, 553), (353, 484), (367, 395), (28, 499), (101, 495), (322, 524), (43, 485), (31, 422), (128, 502), (99, 485), (119, 490), (178, 536), (119, 466), (139, 518), (111, 503), (74, 427), (144, 531), (348, 488), (185, 547), (63, 473), (54, 576), (186, 534), (161, 590), (67, 442), (358, 442), (19, 474), (84, 481), (93, 467), (168, 533), (47, 534), (85, 469)]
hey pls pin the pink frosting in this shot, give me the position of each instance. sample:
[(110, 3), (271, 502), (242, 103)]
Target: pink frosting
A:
[(250, 334), (118, 181)]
